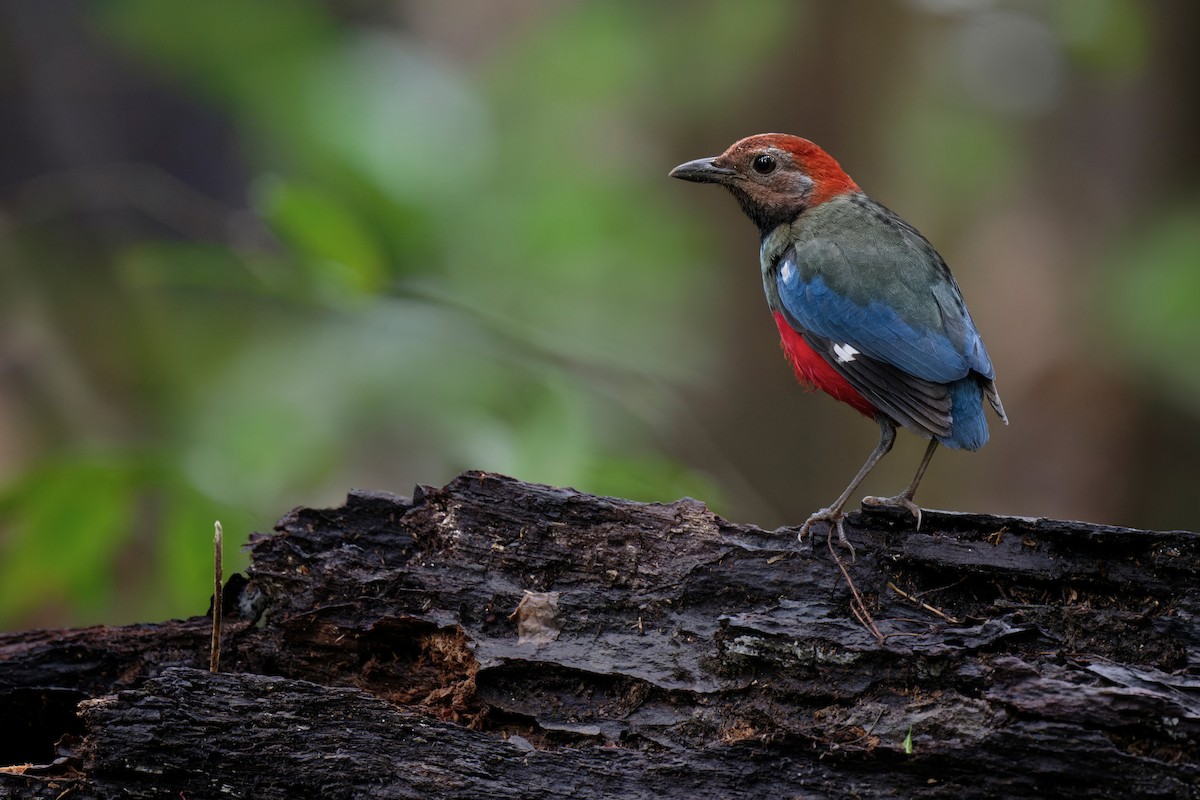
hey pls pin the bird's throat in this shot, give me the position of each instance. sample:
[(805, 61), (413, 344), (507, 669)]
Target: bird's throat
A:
[(767, 216)]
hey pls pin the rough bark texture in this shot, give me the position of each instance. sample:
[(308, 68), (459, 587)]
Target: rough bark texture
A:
[(496, 639)]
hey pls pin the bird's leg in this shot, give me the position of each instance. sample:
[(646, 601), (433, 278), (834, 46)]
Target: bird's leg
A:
[(905, 498), (833, 514)]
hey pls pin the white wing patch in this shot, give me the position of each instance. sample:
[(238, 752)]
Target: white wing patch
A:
[(787, 271), (844, 353)]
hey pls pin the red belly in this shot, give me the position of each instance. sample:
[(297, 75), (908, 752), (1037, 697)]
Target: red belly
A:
[(813, 370)]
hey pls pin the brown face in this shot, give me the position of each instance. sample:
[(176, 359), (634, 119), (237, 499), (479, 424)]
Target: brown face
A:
[(774, 176), (766, 175)]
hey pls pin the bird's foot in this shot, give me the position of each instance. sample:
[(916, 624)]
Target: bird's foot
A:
[(829, 515), (834, 517), (899, 501)]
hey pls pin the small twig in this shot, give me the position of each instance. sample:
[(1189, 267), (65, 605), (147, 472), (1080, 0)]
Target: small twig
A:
[(214, 650), (870, 729), (857, 606), (921, 603), (938, 589)]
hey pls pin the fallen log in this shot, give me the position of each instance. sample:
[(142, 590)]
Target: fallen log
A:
[(495, 638)]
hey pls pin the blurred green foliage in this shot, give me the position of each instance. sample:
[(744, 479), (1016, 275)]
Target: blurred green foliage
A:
[(1150, 294), (444, 269)]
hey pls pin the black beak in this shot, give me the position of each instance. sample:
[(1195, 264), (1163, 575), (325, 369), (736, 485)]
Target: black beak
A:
[(702, 170)]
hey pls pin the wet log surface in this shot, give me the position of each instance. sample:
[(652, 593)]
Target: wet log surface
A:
[(501, 639)]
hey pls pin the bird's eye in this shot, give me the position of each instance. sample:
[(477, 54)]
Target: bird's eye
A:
[(764, 164)]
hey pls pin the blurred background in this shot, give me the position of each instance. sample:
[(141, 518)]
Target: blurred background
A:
[(255, 254)]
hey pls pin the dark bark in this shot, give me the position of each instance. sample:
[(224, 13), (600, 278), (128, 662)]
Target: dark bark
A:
[(501, 639)]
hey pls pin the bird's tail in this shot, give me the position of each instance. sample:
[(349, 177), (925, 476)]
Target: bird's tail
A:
[(993, 396), (969, 429)]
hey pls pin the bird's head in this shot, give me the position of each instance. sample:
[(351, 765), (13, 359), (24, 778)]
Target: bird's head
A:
[(774, 176)]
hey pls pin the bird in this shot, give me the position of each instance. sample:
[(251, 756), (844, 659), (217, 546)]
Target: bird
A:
[(866, 308)]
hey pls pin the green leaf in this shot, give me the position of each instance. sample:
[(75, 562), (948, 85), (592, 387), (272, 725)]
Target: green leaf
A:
[(338, 250), (64, 522)]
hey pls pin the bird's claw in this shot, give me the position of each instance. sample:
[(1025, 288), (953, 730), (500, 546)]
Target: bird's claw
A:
[(899, 501), (834, 517), (824, 515)]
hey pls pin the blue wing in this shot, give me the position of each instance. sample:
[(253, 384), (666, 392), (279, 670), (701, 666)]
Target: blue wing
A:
[(945, 349), (926, 368)]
